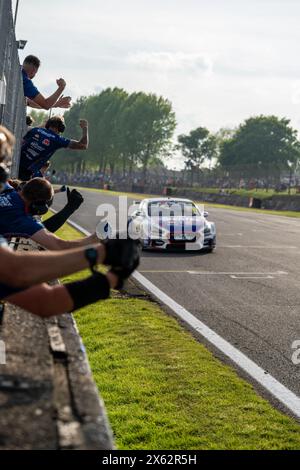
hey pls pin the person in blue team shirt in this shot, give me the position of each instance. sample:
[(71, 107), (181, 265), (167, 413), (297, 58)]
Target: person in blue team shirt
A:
[(21, 273), (56, 221), (17, 211), (35, 99), (39, 144)]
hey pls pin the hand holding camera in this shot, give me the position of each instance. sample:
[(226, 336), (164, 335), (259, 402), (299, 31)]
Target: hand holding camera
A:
[(123, 256), (75, 199)]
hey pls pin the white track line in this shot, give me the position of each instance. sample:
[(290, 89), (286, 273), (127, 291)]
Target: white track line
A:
[(283, 394), (211, 273), (262, 247), (275, 388), (73, 224), (234, 274), (79, 228), (252, 277)]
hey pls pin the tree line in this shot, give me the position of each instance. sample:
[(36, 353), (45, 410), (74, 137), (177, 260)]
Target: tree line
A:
[(126, 131), (262, 147), (130, 131)]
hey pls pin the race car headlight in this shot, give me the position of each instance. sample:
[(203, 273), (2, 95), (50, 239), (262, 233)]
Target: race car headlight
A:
[(209, 228)]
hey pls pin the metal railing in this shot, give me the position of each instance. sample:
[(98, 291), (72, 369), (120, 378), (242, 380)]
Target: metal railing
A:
[(12, 102)]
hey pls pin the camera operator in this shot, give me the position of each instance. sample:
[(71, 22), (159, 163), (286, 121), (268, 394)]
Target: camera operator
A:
[(74, 201), (20, 270), (54, 223), (17, 211)]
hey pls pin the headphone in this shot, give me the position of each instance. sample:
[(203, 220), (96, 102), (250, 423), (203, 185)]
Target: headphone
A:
[(3, 177), (40, 207), (61, 127)]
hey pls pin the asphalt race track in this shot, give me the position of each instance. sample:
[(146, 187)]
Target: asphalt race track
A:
[(247, 291)]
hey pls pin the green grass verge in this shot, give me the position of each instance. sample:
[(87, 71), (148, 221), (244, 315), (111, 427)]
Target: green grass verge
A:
[(259, 193), (164, 390), (139, 197), (293, 214)]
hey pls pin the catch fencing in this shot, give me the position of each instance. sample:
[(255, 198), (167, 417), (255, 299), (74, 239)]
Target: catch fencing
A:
[(12, 102)]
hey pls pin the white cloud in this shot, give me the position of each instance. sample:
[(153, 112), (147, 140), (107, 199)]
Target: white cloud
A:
[(173, 61)]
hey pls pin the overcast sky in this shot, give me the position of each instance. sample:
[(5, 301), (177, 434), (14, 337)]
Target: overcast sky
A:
[(218, 61)]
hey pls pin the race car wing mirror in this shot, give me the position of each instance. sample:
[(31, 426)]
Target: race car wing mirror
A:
[(205, 214), (103, 230)]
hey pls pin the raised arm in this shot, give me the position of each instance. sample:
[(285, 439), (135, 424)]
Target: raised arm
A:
[(52, 242), (83, 143), (44, 266), (44, 300), (29, 268), (63, 102), (47, 103)]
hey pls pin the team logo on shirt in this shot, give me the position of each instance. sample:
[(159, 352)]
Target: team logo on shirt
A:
[(46, 142)]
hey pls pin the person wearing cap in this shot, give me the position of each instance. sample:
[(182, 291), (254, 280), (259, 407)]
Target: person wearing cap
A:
[(19, 208)]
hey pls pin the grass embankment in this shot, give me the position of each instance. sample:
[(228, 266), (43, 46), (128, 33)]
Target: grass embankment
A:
[(164, 390), (139, 197)]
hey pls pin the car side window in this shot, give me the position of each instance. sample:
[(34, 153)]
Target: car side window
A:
[(143, 209)]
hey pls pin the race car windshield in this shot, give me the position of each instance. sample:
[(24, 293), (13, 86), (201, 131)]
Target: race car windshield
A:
[(172, 209)]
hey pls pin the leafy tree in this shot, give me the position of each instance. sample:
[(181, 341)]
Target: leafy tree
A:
[(224, 133), (197, 147), (103, 114), (263, 146), (151, 124), (69, 158), (131, 143), (125, 130)]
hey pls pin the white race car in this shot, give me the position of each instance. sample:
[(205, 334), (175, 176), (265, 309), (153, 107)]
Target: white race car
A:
[(171, 223)]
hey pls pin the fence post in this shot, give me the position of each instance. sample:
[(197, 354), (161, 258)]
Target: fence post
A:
[(12, 101)]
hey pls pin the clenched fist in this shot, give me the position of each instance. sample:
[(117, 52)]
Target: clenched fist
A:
[(61, 83)]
